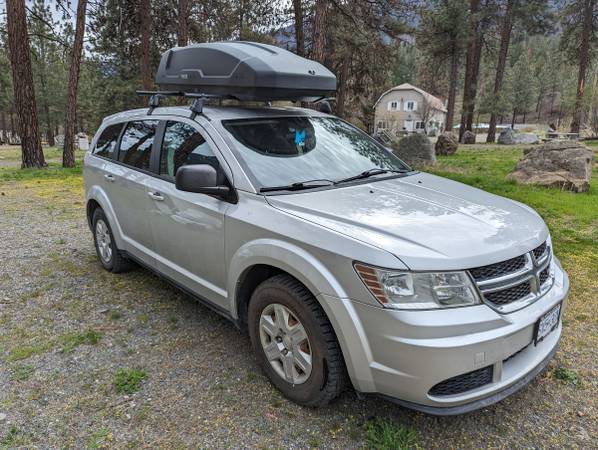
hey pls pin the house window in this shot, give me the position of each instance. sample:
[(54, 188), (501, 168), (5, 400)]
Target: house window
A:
[(382, 125), (419, 125), (394, 106), (410, 106)]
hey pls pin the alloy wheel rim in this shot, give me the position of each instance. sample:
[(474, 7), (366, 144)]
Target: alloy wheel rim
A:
[(285, 343), (103, 241)]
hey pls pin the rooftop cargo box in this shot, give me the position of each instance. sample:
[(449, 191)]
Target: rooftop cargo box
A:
[(245, 71)]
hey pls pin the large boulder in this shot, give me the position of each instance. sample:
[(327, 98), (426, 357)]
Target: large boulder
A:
[(563, 164), (468, 137), (447, 144), (416, 150), (506, 137), (527, 138)]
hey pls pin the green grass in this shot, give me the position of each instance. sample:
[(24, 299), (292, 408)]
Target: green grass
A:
[(567, 376), (71, 341), (100, 439), (384, 434), (53, 171), (128, 381), (21, 372), (25, 351), (13, 153)]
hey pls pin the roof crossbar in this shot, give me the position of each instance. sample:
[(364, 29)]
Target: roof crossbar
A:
[(196, 106)]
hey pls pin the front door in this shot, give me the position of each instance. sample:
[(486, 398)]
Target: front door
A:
[(408, 125), (188, 228)]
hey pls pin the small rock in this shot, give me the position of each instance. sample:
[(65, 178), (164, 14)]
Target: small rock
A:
[(468, 137), (447, 144), (2, 417), (415, 149), (527, 138), (506, 137)]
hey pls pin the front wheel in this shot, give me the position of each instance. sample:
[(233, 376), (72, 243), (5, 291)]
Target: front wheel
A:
[(295, 343), (106, 249)]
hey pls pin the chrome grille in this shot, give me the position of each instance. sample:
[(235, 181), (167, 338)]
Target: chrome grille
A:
[(509, 295), (498, 269), (539, 251), (544, 275), (515, 283)]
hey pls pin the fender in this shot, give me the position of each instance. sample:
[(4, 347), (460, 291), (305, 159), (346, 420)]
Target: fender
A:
[(96, 193), (285, 256), (323, 285)]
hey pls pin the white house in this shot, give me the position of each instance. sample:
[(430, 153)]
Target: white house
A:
[(408, 109)]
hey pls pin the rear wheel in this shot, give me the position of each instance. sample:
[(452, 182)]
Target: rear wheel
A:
[(108, 254), (295, 343)]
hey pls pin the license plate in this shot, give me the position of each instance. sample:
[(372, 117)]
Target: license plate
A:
[(547, 323)]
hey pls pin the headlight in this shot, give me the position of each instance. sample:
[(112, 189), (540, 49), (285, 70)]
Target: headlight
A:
[(418, 290)]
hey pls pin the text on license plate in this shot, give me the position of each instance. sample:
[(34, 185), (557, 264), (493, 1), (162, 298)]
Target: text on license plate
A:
[(547, 323)]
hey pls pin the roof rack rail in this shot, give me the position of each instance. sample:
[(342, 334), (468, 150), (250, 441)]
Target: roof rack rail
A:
[(196, 106)]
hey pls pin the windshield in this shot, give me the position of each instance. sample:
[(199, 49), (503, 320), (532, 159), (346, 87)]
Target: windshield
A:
[(285, 150)]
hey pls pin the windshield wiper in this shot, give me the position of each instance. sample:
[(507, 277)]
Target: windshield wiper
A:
[(310, 184), (370, 173)]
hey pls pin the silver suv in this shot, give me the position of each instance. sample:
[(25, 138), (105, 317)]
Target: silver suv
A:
[(345, 266)]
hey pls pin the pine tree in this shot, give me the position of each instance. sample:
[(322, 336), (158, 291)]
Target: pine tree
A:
[(443, 35), (68, 154), (24, 90)]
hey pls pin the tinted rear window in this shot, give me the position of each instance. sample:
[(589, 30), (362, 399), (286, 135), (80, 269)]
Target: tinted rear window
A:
[(136, 143), (107, 141)]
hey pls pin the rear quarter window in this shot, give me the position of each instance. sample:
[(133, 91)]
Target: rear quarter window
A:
[(106, 143)]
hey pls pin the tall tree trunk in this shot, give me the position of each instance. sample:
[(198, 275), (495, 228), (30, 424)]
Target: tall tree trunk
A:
[(584, 58), (299, 36), (452, 93), (505, 39), (343, 86), (12, 125), (146, 24), (46, 107), (22, 78), (473, 86), (318, 42), (470, 61), (241, 19), (513, 121), (3, 138), (68, 154), (183, 25)]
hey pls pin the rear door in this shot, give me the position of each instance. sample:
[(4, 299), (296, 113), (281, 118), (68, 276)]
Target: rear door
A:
[(99, 168), (188, 227), (129, 193)]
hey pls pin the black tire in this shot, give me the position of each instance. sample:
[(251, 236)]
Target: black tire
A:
[(116, 263), (328, 377)]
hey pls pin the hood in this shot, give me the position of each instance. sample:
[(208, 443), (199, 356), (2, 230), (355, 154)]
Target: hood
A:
[(428, 222)]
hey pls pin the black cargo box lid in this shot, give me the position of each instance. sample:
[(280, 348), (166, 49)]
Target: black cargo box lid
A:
[(244, 70)]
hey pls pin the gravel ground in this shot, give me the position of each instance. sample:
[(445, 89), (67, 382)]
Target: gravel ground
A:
[(203, 388)]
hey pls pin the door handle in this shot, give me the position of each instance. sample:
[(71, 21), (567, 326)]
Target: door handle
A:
[(109, 177), (156, 196)]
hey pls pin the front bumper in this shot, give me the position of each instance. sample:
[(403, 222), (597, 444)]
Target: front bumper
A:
[(403, 354)]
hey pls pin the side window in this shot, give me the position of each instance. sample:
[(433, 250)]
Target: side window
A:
[(136, 143), (107, 141), (183, 145)]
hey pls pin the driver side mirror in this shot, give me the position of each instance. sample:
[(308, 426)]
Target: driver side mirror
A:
[(200, 178)]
